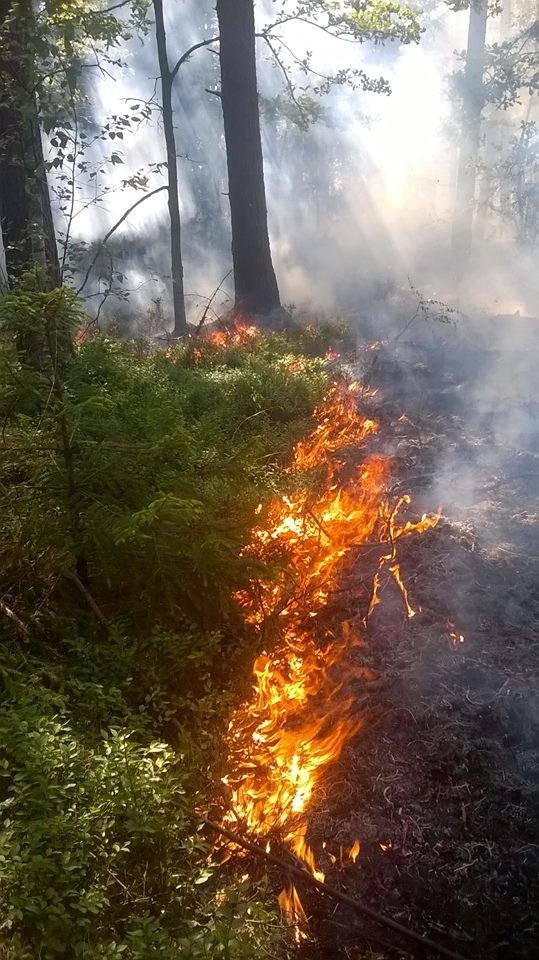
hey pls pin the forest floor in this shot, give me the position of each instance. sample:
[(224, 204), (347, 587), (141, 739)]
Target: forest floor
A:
[(442, 785)]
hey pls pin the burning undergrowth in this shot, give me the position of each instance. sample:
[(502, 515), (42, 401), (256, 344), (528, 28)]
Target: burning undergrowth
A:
[(305, 708)]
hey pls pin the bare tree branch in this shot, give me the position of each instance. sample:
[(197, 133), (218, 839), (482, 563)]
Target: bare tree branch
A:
[(202, 320), (289, 84), (185, 56), (117, 6), (113, 229)]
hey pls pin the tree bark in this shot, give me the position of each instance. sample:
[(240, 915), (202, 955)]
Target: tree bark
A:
[(25, 210), (472, 107), (167, 78), (254, 276)]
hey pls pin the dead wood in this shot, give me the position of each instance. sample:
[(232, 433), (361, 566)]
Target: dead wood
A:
[(87, 596)]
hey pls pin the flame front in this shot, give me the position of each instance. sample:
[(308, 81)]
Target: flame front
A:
[(301, 713), (240, 332)]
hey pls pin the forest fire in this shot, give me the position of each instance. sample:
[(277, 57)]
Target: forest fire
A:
[(302, 712)]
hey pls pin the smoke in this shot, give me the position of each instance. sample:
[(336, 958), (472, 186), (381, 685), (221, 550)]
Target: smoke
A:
[(385, 169), (360, 204)]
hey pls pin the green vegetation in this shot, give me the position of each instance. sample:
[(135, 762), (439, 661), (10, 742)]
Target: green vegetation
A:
[(130, 479)]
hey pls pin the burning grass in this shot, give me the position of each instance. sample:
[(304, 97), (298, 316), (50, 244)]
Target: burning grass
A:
[(303, 710)]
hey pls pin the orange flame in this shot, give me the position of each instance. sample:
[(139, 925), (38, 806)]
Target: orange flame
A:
[(354, 851), (237, 334), (301, 714), (292, 911)]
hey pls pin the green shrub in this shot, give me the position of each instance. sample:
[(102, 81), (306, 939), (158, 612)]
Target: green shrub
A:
[(130, 479), (145, 472), (99, 856)]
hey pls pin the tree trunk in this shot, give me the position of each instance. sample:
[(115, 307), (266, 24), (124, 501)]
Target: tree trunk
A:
[(178, 299), (254, 276), (25, 211), (473, 103)]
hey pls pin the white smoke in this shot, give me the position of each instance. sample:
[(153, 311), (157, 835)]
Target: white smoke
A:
[(359, 205)]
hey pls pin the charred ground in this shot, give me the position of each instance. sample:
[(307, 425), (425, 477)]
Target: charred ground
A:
[(442, 785)]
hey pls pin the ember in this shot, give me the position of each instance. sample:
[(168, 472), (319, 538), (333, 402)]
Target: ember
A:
[(332, 355), (300, 716), (455, 639)]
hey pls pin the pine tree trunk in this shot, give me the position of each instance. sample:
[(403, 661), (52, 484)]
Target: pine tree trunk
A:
[(472, 107), (25, 212), (178, 298), (254, 276)]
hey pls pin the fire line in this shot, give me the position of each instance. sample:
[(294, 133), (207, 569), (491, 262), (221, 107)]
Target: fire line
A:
[(301, 715)]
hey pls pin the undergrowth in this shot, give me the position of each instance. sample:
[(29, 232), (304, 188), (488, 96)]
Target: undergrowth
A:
[(130, 479)]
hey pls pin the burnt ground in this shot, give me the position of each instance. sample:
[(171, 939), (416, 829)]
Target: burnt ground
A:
[(442, 785)]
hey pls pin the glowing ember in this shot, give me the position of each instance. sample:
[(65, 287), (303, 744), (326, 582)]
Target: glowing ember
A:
[(81, 336), (331, 356), (301, 715), (454, 638)]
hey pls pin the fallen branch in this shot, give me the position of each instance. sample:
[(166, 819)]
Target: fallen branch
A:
[(332, 892), (22, 629), (85, 593)]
